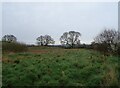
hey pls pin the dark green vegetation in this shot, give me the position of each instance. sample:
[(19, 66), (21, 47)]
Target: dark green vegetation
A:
[(13, 47), (48, 66), (0, 64)]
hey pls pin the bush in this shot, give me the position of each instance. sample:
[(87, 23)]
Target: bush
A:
[(118, 50), (86, 46), (103, 47), (13, 47), (106, 48)]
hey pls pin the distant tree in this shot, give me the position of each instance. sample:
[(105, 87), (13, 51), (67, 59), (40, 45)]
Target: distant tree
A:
[(9, 38), (70, 38), (40, 40), (45, 40), (109, 37), (48, 40)]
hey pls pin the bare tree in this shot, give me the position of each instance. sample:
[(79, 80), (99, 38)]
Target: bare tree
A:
[(40, 40), (48, 40), (9, 38), (109, 37), (70, 38), (45, 40)]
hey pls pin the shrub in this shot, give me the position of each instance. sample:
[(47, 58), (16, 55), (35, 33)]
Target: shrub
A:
[(118, 49), (13, 47), (102, 47)]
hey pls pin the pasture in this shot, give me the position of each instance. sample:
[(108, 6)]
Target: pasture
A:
[(52, 66)]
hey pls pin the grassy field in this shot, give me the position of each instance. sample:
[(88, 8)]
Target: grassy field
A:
[(47, 66)]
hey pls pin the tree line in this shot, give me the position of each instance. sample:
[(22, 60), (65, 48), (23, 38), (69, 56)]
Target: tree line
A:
[(106, 41), (70, 39)]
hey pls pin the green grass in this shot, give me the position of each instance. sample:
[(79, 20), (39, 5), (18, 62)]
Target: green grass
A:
[(59, 67)]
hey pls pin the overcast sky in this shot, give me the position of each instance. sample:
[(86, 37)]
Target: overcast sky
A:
[(29, 20)]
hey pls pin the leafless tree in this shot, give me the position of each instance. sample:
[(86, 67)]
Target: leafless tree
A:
[(70, 38), (48, 40), (9, 38), (45, 40), (109, 37), (40, 40)]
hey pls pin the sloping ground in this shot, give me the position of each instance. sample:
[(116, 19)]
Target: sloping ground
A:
[(59, 67)]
